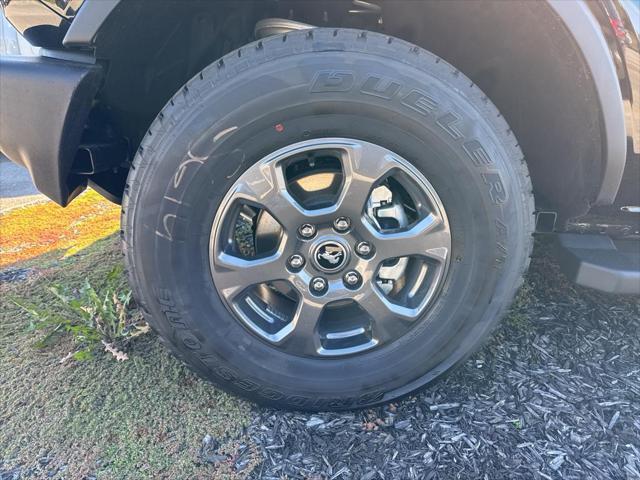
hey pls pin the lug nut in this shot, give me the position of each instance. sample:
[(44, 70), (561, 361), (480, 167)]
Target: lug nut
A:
[(307, 230), (342, 224), (352, 278), (364, 249), (318, 284), (296, 261)]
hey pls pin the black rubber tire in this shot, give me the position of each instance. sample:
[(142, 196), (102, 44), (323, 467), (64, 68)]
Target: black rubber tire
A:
[(310, 84)]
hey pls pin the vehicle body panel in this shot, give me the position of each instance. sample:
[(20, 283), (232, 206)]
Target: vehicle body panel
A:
[(44, 105), (588, 34), (40, 26), (629, 44), (617, 102)]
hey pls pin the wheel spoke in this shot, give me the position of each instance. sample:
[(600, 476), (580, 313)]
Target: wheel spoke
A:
[(388, 320), (429, 238), (266, 187), (303, 336), (235, 274), (364, 166), (392, 295)]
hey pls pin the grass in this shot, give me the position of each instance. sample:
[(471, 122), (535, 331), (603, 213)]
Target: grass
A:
[(141, 418), (95, 316)]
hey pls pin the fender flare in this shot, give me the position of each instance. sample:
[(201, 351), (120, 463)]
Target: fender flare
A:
[(576, 16), (588, 34), (87, 22)]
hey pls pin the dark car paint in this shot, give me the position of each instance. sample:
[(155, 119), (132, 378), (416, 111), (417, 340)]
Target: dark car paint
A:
[(44, 104), (66, 8), (40, 25), (592, 32)]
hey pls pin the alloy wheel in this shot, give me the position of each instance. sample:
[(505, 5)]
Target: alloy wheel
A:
[(330, 247)]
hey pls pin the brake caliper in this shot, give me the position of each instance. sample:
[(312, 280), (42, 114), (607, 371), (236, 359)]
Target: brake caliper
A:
[(388, 213)]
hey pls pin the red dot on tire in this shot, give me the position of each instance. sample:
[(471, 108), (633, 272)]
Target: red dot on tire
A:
[(279, 128)]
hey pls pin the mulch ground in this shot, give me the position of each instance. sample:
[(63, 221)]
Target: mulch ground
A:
[(555, 394)]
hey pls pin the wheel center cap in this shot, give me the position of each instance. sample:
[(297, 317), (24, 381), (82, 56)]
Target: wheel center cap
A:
[(330, 256)]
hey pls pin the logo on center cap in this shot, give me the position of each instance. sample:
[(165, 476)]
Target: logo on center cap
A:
[(330, 256)]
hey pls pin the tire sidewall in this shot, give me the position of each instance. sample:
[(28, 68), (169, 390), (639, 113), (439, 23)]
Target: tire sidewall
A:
[(197, 155)]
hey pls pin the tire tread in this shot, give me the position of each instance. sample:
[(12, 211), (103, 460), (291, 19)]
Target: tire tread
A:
[(229, 65)]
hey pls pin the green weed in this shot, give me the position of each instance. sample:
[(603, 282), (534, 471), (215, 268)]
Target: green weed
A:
[(93, 317)]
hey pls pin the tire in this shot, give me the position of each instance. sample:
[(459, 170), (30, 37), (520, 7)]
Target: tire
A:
[(309, 85)]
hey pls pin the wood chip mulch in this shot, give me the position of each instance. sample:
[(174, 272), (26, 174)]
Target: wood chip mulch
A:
[(555, 394)]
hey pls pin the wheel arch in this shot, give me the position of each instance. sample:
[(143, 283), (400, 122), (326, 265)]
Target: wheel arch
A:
[(546, 65), (587, 33)]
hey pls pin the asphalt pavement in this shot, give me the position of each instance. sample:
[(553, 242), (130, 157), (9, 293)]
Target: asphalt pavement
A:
[(16, 187)]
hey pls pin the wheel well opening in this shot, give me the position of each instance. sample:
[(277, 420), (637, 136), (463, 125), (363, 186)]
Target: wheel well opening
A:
[(519, 53)]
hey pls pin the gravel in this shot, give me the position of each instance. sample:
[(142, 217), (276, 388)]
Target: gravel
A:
[(554, 394)]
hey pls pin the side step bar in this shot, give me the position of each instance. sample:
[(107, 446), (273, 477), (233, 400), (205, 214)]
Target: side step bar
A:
[(597, 261)]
